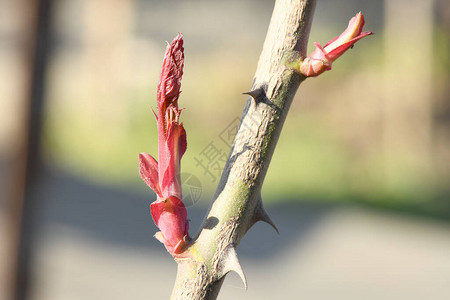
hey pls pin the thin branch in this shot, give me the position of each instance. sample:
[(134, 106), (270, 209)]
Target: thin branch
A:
[(237, 202)]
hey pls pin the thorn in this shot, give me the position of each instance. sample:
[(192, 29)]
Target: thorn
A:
[(261, 215), (230, 262), (257, 94)]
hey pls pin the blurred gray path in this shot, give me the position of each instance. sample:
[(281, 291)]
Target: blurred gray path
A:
[(96, 243)]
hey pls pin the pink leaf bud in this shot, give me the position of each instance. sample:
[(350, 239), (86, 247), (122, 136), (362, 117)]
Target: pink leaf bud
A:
[(322, 58), (163, 177)]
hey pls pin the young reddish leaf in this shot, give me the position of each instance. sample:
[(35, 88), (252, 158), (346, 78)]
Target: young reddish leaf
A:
[(170, 215), (148, 169), (168, 211), (322, 58)]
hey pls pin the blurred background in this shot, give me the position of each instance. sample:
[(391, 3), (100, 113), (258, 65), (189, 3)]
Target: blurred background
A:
[(358, 185)]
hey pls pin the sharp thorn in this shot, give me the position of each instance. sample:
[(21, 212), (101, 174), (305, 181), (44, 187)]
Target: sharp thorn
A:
[(261, 215), (250, 93), (230, 262), (265, 218), (257, 94)]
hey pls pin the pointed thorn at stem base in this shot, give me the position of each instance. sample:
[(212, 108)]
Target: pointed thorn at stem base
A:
[(230, 262)]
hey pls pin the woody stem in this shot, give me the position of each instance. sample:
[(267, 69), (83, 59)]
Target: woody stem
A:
[(237, 202)]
